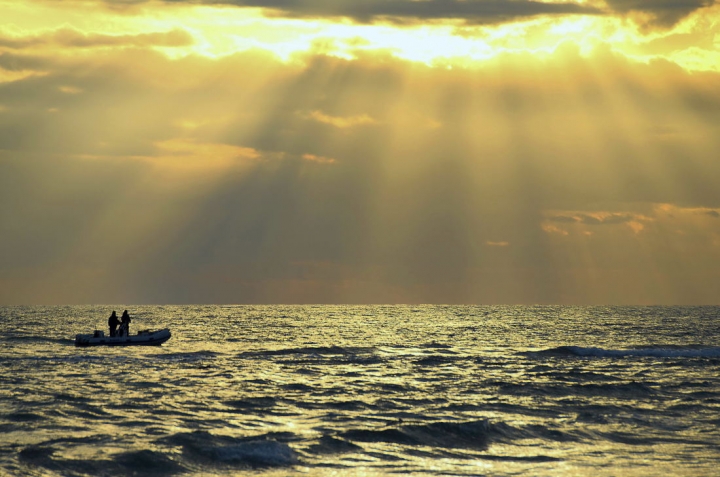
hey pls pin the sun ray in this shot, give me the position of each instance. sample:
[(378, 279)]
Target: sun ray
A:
[(540, 155)]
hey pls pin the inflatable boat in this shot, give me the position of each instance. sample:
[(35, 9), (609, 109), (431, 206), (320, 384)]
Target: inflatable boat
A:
[(143, 338)]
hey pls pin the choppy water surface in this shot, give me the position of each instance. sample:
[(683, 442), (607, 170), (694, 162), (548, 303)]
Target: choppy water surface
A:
[(363, 390)]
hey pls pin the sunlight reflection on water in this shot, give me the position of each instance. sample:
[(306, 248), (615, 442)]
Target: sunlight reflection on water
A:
[(366, 390)]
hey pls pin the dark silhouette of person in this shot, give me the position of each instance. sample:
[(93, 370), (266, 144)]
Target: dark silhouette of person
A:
[(125, 323), (113, 322)]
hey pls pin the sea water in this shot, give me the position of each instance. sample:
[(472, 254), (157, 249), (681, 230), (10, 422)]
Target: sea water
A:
[(363, 390)]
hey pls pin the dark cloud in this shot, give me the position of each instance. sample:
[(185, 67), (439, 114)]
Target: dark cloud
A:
[(19, 62), (662, 12), (68, 37), (477, 11), (470, 11)]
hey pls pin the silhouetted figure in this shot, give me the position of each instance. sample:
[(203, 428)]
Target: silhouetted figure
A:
[(113, 322), (125, 323)]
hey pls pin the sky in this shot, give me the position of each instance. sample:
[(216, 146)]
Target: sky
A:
[(346, 151)]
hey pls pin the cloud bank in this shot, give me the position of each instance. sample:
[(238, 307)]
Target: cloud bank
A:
[(662, 13), (470, 11)]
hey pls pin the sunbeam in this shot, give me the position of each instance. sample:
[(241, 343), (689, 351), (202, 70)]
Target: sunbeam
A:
[(399, 151)]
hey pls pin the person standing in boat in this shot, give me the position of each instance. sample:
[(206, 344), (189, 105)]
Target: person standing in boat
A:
[(125, 323), (113, 322)]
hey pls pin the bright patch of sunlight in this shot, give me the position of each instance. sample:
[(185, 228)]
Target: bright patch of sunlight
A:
[(216, 31)]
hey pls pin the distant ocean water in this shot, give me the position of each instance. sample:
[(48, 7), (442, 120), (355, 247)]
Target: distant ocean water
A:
[(363, 390)]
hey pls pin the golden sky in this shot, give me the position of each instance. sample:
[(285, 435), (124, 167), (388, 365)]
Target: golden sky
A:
[(378, 151)]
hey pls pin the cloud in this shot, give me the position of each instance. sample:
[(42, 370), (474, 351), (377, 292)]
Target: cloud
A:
[(339, 121), (191, 154), (468, 11), (597, 218), (551, 229), (318, 159), (686, 214), (15, 67), (636, 222), (473, 12), (662, 13), (69, 37), (665, 13), (683, 220), (70, 89)]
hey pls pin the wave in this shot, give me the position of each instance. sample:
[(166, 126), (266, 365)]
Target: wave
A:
[(138, 463), (255, 452), (252, 403), (630, 390), (468, 435), (322, 355), (147, 462), (23, 417), (332, 445), (471, 436), (311, 351), (654, 352), (84, 357), (38, 339), (190, 356), (438, 360)]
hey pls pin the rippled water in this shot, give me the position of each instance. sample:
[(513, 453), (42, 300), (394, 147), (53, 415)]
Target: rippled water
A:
[(363, 390)]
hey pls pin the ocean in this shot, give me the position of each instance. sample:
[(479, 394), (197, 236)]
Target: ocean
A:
[(363, 391)]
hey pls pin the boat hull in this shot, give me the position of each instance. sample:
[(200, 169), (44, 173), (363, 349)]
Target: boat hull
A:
[(143, 338)]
